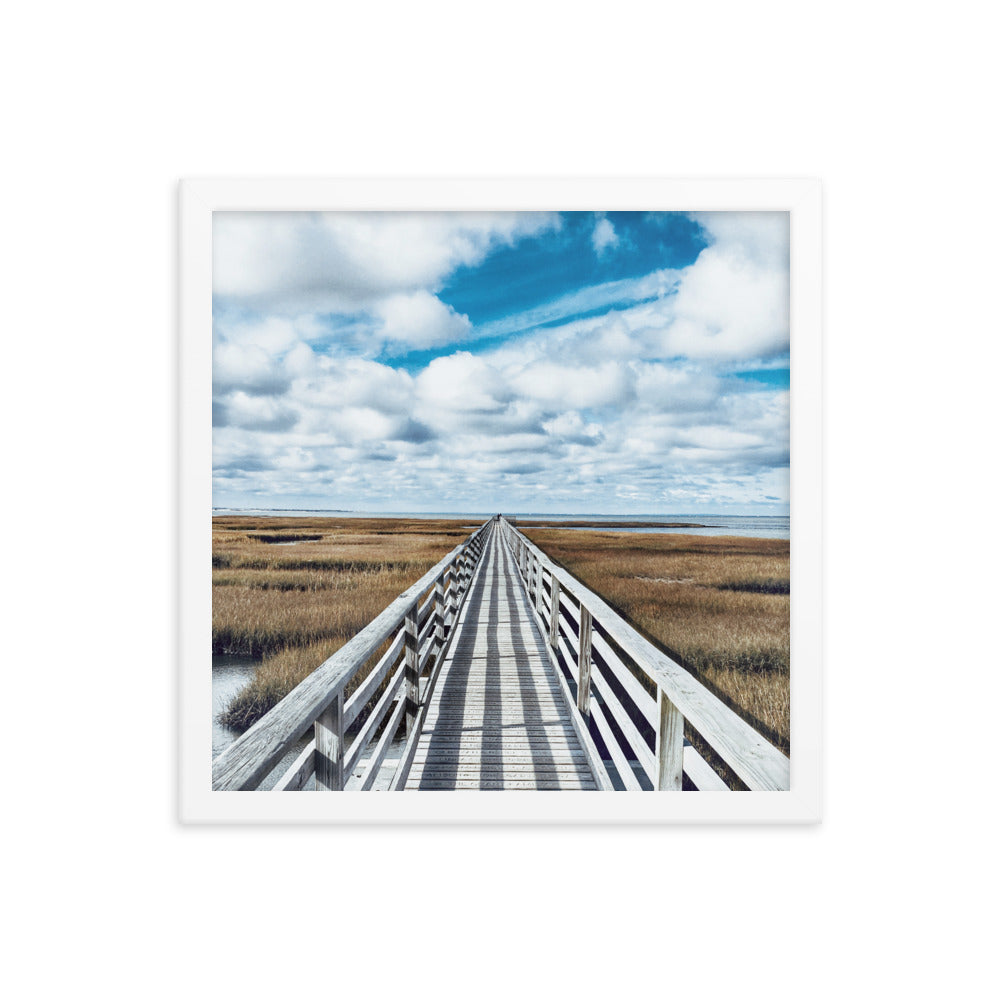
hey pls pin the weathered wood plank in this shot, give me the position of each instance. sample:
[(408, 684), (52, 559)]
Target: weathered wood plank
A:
[(640, 697), (637, 744), (329, 752), (373, 721), (583, 687), (507, 784), (411, 668), (382, 747), (439, 610), (486, 754), (497, 772), (621, 762), (669, 747), (296, 777), (554, 615), (702, 776), (357, 702)]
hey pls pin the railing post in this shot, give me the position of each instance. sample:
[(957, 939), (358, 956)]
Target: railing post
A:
[(540, 593), (583, 687), (554, 619), (439, 612), (411, 678), (329, 732), (450, 607), (669, 747)]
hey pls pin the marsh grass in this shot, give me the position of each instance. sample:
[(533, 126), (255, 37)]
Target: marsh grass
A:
[(717, 605), (295, 607)]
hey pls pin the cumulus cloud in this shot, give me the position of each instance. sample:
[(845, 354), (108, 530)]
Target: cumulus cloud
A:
[(570, 427), (419, 320), (241, 409), (463, 382), (734, 300), (576, 387), (249, 369)]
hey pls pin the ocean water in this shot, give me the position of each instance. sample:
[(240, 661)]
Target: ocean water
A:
[(711, 524)]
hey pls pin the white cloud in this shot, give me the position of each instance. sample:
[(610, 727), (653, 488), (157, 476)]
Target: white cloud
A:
[(249, 368), (731, 303), (576, 387), (260, 413), (570, 427), (762, 237), (604, 237), (420, 320), (299, 262), (462, 383)]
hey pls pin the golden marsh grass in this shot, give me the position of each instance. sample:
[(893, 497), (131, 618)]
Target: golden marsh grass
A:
[(296, 605), (719, 606)]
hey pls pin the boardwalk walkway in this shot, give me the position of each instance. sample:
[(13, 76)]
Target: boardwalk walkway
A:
[(543, 686), (497, 718)]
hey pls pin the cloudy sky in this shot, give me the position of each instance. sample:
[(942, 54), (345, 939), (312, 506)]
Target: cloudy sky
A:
[(526, 362)]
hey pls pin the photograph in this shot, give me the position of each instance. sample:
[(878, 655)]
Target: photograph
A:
[(500, 501)]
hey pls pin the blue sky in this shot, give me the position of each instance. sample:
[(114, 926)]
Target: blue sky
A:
[(554, 362)]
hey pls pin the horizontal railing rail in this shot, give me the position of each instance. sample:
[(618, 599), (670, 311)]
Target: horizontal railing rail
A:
[(418, 625), (631, 733)]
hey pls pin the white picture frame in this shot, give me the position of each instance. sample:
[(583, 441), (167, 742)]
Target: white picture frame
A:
[(199, 199)]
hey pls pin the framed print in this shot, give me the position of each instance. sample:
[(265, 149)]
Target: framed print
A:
[(500, 486)]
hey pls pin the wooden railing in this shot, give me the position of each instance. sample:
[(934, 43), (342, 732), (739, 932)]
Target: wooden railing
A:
[(420, 624), (634, 737)]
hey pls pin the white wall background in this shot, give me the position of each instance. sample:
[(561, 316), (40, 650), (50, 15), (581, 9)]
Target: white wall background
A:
[(108, 104)]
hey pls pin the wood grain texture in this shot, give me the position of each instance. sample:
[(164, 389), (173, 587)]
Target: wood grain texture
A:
[(411, 668), (583, 663), (303, 768), (669, 747), (554, 617), (329, 754)]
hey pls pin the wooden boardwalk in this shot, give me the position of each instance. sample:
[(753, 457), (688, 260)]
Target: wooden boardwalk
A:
[(498, 669), (497, 718)]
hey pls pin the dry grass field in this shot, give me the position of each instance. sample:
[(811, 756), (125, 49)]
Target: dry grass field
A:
[(294, 605), (719, 606)]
